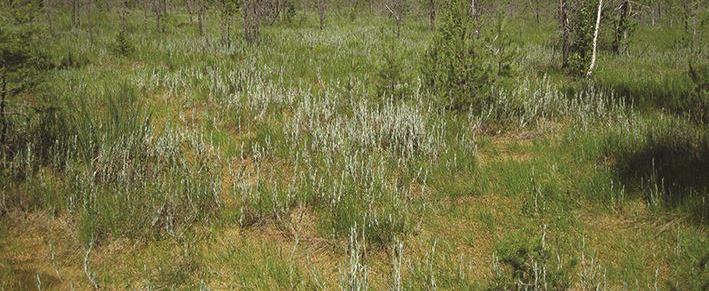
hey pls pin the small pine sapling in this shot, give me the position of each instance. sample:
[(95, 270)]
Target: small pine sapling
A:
[(391, 79), (456, 68)]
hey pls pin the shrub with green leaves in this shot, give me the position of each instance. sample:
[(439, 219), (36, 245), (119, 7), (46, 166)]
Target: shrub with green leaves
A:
[(530, 264), (289, 12), (582, 26)]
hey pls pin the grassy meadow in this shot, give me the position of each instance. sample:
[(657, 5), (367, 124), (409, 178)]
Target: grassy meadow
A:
[(320, 159)]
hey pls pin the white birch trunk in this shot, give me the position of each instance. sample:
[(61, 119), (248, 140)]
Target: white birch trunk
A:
[(595, 39)]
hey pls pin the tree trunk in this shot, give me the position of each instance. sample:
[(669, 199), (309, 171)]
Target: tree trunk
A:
[(564, 26), (124, 12), (200, 18), (654, 12), (246, 14), (397, 14), (223, 21), (157, 9), (398, 26), (687, 13), (226, 22), (595, 39), (48, 10), (158, 18), (321, 13), (432, 14), (621, 27), (145, 14), (90, 15), (252, 20), (190, 10), (74, 13), (3, 118), (536, 10), (473, 11)]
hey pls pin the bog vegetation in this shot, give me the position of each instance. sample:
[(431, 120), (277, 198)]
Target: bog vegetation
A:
[(354, 144)]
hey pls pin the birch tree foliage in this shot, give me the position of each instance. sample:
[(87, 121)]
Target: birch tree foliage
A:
[(581, 29)]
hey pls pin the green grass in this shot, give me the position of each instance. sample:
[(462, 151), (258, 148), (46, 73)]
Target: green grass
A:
[(287, 164)]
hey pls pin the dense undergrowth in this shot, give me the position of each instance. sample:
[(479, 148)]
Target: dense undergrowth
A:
[(154, 137)]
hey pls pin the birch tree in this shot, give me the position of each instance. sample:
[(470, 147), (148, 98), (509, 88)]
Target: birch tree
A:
[(582, 35), (595, 39)]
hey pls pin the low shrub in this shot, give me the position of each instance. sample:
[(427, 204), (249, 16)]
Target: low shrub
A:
[(524, 265)]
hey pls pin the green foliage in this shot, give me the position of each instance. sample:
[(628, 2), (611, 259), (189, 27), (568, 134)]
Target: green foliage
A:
[(439, 268), (290, 11), (532, 265), (22, 60), (466, 66), (648, 83), (456, 68), (503, 51), (392, 80), (123, 45), (623, 24), (311, 154), (697, 102), (71, 60), (581, 29), (105, 151), (22, 55)]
